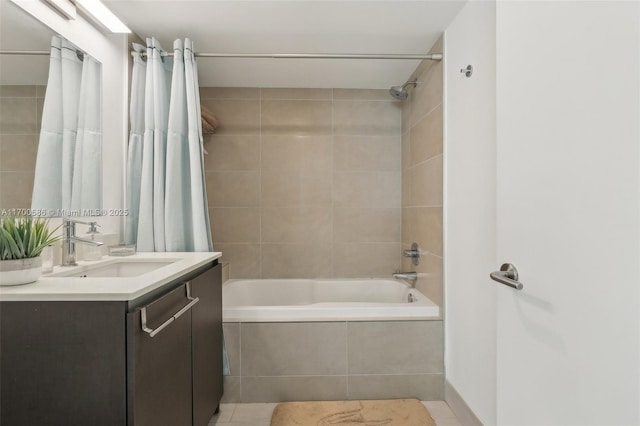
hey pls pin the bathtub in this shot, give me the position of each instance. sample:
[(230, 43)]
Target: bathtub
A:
[(310, 300)]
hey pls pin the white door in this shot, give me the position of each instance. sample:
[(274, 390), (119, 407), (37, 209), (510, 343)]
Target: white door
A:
[(568, 218)]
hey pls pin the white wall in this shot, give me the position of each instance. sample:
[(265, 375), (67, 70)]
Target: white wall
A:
[(111, 51), (470, 200)]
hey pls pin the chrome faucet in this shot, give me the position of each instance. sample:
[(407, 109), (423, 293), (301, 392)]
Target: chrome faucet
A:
[(410, 277), (69, 241)]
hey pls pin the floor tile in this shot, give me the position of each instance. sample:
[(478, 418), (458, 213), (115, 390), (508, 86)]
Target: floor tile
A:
[(253, 413), (438, 409)]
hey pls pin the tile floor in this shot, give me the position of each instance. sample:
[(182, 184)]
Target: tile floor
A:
[(260, 414)]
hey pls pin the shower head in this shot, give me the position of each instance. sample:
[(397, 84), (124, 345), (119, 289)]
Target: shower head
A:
[(400, 92)]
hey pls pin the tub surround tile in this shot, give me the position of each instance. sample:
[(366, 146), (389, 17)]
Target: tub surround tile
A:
[(426, 137), (294, 388), (235, 116), (427, 228), (396, 347), (296, 224), (231, 389), (430, 278), (296, 260), (232, 152), (229, 93), (363, 225), (365, 260), (233, 188), (296, 94), (296, 117), (235, 225), (231, 332), (18, 152), (421, 386), (426, 183), (297, 153), (18, 91), (18, 115), (289, 349), (362, 95), (16, 189), (367, 117), (372, 153), (367, 189), (243, 258)]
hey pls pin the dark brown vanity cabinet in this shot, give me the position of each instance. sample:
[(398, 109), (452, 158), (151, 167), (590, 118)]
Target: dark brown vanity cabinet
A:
[(91, 363)]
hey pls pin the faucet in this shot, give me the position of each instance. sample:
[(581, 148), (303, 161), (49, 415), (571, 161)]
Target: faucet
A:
[(411, 277), (69, 241)]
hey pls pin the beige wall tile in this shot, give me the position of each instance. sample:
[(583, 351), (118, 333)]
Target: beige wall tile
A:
[(244, 259), (426, 183), (41, 91), (367, 189), (426, 137), (304, 153), (18, 152), (232, 152), (233, 189), (280, 189), (428, 94), (362, 225), (39, 108), (317, 189), (296, 117), (276, 349), (406, 150), (427, 228), (426, 387), (407, 227), (362, 94), (18, 115), (296, 224), (231, 332), (430, 278), (373, 347), (296, 94), (235, 116), (365, 260), (367, 118), (406, 188), (231, 390), (235, 225), (16, 189), (229, 93), (296, 260), (11, 91), (375, 153), (296, 388)]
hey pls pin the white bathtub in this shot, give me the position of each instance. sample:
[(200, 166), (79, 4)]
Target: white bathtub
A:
[(295, 300)]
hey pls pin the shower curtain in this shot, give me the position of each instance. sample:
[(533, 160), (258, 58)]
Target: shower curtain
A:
[(172, 208), (69, 159)]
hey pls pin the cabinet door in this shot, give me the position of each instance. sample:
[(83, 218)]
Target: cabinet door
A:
[(159, 367), (207, 345)]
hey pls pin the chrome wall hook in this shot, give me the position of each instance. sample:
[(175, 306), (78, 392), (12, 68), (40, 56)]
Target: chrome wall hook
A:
[(468, 71)]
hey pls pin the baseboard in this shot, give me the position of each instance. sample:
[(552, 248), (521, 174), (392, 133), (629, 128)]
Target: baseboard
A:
[(465, 415)]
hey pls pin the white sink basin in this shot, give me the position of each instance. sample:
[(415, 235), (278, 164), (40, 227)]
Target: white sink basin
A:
[(115, 269)]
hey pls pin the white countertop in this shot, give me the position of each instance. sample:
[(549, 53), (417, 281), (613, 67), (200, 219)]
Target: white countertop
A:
[(49, 288)]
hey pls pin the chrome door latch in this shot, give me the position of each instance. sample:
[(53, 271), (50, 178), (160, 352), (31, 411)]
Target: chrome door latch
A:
[(507, 275)]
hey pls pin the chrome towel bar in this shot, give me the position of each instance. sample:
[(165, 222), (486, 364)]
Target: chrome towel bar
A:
[(507, 275), (152, 332)]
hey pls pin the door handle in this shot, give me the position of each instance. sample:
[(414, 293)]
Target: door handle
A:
[(507, 275)]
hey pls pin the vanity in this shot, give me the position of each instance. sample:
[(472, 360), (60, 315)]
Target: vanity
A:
[(122, 341)]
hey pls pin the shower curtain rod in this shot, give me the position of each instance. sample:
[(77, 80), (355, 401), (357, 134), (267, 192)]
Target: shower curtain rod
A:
[(24, 52), (432, 56)]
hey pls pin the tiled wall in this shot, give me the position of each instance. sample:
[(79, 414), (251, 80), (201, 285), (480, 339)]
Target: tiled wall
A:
[(20, 114), (305, 183), (422, 149), (273, 362)]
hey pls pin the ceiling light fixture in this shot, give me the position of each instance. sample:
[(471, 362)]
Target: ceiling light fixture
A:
[(101, 14)]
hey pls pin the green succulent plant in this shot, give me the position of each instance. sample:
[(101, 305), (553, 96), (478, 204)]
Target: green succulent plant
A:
[(24, 238)]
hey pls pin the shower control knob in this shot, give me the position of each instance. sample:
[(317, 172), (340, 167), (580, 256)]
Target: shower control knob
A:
[(414, 253)]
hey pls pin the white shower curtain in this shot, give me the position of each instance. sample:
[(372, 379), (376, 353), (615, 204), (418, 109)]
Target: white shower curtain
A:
[(173, 213), (63, 156), (136, 136)]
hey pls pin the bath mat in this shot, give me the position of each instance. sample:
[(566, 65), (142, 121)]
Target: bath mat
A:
[(387, 412)]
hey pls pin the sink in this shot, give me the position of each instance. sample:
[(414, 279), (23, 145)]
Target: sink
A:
[(115, 269)]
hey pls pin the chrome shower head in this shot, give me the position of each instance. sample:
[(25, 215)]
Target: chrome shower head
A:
[(400, 92)]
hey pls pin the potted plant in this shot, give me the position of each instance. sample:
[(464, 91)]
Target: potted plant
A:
[(21, 242)]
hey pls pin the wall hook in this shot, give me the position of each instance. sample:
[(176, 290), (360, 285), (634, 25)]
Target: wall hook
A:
[(468, 71)]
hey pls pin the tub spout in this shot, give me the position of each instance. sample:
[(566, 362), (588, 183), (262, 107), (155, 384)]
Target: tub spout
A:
[(410, 277)]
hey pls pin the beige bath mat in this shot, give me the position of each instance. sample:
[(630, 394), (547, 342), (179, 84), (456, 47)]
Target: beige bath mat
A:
[(388, 412)]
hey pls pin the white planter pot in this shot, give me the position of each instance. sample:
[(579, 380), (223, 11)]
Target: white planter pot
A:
[(20, 271)]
